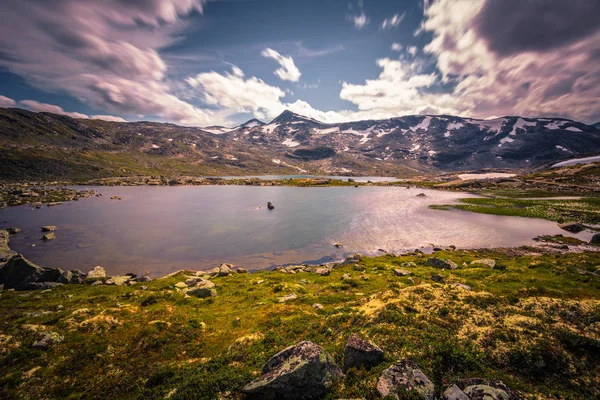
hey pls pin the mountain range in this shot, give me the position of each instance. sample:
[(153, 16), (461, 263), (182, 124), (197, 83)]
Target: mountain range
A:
[(48, 146)]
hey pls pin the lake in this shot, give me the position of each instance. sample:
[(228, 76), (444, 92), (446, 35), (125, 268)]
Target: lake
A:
[(162, 229)]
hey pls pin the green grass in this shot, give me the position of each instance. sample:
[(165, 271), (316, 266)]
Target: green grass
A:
[(535, 325), (585, 210)]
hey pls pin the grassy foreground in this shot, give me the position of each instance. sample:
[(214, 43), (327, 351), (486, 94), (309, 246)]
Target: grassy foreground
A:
[(534, 325)]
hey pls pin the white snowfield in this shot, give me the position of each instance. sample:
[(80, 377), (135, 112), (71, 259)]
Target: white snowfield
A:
[(489, 175), (289, 142), (574, 161)]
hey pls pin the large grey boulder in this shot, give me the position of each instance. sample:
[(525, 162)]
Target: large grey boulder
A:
[(439, 263), (402, 376), (73, 276), (360, 353), (223, 270), (303, 371), (97, 274), (479, 389), (18, 273)]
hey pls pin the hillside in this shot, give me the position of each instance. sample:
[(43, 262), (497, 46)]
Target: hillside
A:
[(46, 146)]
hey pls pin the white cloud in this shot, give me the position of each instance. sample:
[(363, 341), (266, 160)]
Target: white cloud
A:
[(397, 47), (50, 108), (288, 70), (105, 54), (110, 118), (236, 93), (412, 50), (360, 21), (393, 21), (563, 80), (6, 102)]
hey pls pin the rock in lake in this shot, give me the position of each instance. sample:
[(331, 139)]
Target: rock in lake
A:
[(405, 375), (439, 263), (97, 274), (48, 236), (479, 389), (13, 230), (48, 228), (573, 227), (270, 206), (19, 273), (360, 353), (421, 195), (303, 371)]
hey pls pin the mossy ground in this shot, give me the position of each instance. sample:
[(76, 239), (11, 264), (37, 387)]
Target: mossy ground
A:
[(585, 210), (535, 326)]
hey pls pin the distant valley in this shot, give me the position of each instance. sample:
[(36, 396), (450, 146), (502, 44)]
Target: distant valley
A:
[(45, 146)]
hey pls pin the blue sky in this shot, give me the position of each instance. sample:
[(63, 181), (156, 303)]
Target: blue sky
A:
[(222, 62)]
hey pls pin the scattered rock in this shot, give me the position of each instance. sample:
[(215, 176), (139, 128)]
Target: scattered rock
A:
[(18, 273), (439, 263), (595, 239), (48, 236), (73, 276), (144, 287), (48, 340), (437, 278), (288, 297), (144, 278), (13, 230), (203, 292), (409, 264), (303, 371), (96, 283), (346, 277), (338, 245), (573, 227), (97, 274), (500, 267), (181, 285), (421, 195), (222, 270), (317, 306), (488, 262), (405, 375), (401, 272), (242, 271), (360, 353), (48, 228), (270, 205), (323, 271), (119, 280), (462, 286), (479, 389)]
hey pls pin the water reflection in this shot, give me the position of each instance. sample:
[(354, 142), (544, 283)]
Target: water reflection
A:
[(162, 229)]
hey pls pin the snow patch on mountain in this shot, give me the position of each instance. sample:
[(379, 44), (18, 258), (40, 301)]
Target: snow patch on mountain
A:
[(563, 148), (269, 128), (290, 143), (573, 129), (555, 125), (326, 130), (423, 125)]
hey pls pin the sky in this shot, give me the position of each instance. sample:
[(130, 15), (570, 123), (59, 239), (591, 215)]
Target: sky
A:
[(222, 62)]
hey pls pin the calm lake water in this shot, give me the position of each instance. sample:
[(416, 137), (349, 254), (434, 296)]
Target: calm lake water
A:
[(162, 229)]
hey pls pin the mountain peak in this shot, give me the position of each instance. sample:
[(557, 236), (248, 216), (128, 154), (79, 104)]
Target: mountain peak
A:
[(288, 116), (252, 123)]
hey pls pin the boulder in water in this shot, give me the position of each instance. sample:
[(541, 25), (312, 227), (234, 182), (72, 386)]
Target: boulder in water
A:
[(270, 205)]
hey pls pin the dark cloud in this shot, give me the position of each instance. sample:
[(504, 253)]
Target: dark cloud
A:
[(514, 26)]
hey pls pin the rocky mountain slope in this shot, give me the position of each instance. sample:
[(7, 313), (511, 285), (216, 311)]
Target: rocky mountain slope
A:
[(47, 146)]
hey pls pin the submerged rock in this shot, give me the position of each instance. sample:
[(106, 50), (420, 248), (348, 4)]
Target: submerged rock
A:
[(18, 273), (48, 236), (360, 353), (439, 263), (303, 371), (402, 376), (13, 230), (479, 389), (573, 227), (48, 228)]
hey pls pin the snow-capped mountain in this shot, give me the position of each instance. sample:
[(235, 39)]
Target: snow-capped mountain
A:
[(438, 141)]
